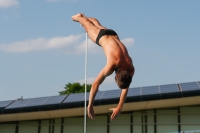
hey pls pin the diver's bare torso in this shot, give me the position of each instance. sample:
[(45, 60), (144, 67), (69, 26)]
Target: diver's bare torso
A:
[(116, 53)]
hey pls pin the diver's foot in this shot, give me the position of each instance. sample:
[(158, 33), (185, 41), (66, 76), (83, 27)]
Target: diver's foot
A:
[(75, 17)]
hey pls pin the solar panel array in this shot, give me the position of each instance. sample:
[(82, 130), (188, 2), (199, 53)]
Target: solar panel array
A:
[(98, 95), (111, 94), (150, 90), (169, 88), (19, 103), (75, 98), (81, 96), (55, 99), (134, 92), (101, 95), (4, 104), (36, 101), (189, 86), (198, 83)]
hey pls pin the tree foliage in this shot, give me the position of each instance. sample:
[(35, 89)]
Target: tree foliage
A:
[(75, 88)]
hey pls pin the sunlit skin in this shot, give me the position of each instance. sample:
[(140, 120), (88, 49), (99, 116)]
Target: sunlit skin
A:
[(117, 58)]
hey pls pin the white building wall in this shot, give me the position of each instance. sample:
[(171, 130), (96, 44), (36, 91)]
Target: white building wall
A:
[(73, 125), (121, 124), (137, 122), (57, 127), (148, 121), (28, 127), (7, 128), (190, 119), (167, 121), (98, 125), (45, 126)]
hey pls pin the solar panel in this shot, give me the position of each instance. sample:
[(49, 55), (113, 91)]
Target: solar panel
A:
[(81, 97), (150, 90), (169, 88), (111, 94), (36, 102), (199, 83), (75, 98), (55, 99), (19, 103), (4, 104), (97, 97), (134, 92), (189, 86)]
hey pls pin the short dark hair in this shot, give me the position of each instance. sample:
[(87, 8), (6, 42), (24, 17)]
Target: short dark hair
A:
[(123, 78)]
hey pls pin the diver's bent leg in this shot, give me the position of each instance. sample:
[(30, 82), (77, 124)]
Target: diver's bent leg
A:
[(95, 22), (89, 27)]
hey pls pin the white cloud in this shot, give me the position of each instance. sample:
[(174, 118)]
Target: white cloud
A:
[(40, 44), (128, 42), (108, 80), (89, 80), (69, 44), (92, 47), (8, 3)]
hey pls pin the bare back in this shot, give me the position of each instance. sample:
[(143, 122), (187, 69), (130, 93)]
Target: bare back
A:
[(116, 53)]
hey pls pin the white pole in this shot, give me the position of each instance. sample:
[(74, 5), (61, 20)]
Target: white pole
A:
[(86, 53)]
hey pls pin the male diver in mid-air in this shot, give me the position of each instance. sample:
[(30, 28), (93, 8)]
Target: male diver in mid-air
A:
[(118, 60)]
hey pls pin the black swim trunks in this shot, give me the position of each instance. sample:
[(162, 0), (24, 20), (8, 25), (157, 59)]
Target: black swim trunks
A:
[(103, 32)]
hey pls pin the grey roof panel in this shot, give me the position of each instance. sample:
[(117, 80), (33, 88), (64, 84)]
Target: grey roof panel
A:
[(189, 86), (75, 97), (55, 99), (36, 101), (98, 95), (19, 103), (134, 92), (81, 96), (111, 94), (198, 83), (169, 88), (150, 90), (4, 104)]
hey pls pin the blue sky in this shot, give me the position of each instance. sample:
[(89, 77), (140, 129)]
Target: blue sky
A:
[(42, 49)]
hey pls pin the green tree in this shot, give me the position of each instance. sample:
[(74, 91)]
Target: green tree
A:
[(75, 88)]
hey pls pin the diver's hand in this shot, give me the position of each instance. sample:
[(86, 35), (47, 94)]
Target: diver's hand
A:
[(90, 112), (116, 112)]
